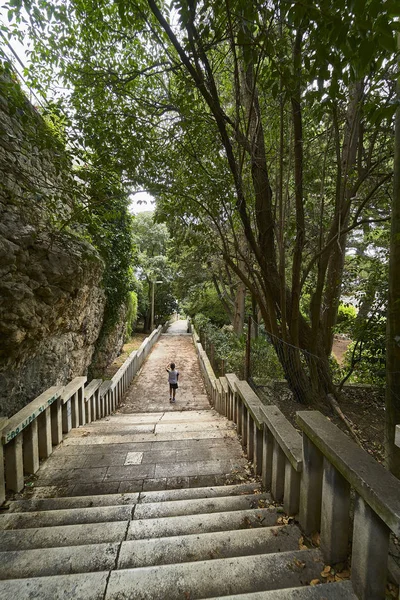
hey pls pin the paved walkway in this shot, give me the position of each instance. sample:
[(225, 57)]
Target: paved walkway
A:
[(149, 444), (149, 391)]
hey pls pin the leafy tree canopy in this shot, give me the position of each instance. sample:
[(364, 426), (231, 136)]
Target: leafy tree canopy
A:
[(265, 127)]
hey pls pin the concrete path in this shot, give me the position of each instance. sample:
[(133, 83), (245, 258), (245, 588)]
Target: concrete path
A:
[(150, 444), (149, 391)]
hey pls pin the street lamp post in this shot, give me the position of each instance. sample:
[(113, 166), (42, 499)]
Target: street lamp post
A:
[(152, 304)]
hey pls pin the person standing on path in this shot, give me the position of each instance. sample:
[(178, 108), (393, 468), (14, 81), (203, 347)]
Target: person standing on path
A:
[(173, 376)]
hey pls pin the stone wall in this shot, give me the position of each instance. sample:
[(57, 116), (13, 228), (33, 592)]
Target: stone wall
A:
[(51, 296), (109, 345)]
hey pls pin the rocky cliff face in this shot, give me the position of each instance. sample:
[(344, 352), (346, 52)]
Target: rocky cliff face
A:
[(51, 296)]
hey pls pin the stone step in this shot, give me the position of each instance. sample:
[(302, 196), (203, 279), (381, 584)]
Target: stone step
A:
[(172, 417), (110, 428), (66, 516), (82, 586), (200, 492), (58, 561), (65, 535), (201, 523), (205, 546), (187, 416), (172, 508), (219, 577), (40, 504), (75, 439), (331, 591)]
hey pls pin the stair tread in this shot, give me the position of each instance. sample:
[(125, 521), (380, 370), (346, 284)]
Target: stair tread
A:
[(199, 523), (199, 492), (63, 535), (330, 591), (205, 546), (192, 506), (204, 579), (41, 504), (81, 586), (58, 561), (65, 516)]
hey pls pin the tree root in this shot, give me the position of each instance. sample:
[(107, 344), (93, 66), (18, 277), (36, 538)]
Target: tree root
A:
[(335, 405)]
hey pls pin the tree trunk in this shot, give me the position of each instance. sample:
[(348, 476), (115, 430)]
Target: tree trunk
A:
[(238, 319), (344, 193), (392, 414)]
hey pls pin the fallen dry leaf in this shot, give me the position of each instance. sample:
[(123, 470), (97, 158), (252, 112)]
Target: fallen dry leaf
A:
[(316, 539), (299, 563), (342, 575), (326, 571), (314, 582)]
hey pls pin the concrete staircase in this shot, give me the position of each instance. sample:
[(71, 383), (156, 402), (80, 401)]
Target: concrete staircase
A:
[(176, 544)]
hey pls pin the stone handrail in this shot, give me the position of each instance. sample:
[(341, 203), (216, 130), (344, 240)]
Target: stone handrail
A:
[(314, 475), (31, 433), (333, 466)]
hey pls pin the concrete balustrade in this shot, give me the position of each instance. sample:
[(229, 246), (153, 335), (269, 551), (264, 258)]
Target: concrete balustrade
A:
[(314, 476), (93, 401), (24, 442), (31, 433), (377, 507), (69, 397)]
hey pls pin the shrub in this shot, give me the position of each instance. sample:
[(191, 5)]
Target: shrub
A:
[(347, 314), (131, 315)]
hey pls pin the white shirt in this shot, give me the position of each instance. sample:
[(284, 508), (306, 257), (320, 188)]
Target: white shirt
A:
[(173, 376)]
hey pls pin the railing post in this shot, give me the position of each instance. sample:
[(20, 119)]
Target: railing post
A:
[(67, 416), (93, 407), (335, 515), (56, 422), (370, 553), (291, 494), (229, 409), (311, 487), (244, 424), (31, 448), (81, 406), (88, 410), (267, 458), (75, 410), (236, 401), (250, 436), (258, 448), (98, 402), (278, 472), (14, 464), (44, 434)]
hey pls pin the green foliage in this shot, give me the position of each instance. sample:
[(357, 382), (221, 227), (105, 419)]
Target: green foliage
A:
[(366, 356), (109, 225), (153, 265), (230, 348), (131, 314), (347, 314), (265, 365), (186, 128), (204, 299)]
